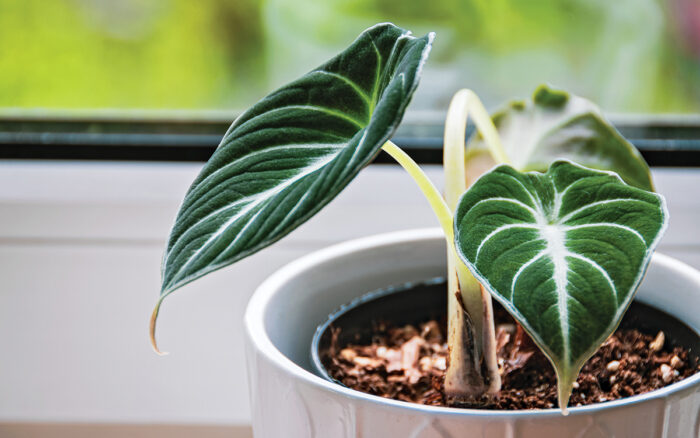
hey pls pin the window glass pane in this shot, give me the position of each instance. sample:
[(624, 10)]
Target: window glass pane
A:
[(630, 56)]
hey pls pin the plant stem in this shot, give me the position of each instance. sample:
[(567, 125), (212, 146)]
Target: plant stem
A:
[(462, 381), (469, 104), (471, 331), (431, 193)]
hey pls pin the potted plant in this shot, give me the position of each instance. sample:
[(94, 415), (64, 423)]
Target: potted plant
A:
[(560, 232)]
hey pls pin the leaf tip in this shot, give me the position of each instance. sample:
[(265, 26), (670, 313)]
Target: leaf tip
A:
[(152, 329), (549, 97), (518, 105), (564, 388)]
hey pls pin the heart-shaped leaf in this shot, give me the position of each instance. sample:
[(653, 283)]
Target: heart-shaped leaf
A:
[(558, 125), (293, 152), (563, 251)]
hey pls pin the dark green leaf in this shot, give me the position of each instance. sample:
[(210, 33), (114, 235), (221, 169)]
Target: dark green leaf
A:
[(293, 152), (563, 251), (558, 125)]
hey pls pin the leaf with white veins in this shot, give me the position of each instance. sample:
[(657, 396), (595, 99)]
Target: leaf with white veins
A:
[(563, 251), (556, 125), (292, 153)]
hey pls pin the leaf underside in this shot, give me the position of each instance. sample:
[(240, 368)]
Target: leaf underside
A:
[(556, 125), (293, 152), (563, 251)]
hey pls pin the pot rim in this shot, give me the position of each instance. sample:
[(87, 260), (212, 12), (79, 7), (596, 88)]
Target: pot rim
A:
[(265, 293)]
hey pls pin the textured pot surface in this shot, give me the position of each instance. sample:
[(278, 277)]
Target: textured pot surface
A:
[(289, 400)]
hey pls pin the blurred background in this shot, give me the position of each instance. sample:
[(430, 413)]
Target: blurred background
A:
[(629, 56), (108, 109)]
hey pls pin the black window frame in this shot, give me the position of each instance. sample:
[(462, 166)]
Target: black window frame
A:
[(664, 141)]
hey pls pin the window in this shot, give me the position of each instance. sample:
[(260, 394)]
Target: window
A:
[(79, 73)]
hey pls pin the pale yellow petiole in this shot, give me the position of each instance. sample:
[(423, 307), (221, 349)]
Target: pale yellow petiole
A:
[(460, 380), (467, 104), (431, 193), (476, 301)]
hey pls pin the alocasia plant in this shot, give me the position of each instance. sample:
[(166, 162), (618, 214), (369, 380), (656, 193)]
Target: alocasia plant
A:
[(292, 153), (531, 135), (556, 124), (563, 251)]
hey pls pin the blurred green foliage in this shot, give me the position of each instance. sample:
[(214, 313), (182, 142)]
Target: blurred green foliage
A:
[(130, 54), (636, 56)]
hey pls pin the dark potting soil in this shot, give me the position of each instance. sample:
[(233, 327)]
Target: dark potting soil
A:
[(408, 363)]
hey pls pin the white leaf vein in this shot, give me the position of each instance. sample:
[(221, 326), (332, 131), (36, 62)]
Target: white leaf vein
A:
[(597, 267), (255, 202), (521, 269), (607, 224), (498, 230), (360, 92), (595, 204), (247, 156), (510, 200)]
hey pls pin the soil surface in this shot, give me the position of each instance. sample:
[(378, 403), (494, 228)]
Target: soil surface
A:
[(408, 363)]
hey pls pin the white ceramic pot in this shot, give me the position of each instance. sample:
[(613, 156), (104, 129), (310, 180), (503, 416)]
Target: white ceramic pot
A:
[(289, 400)]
